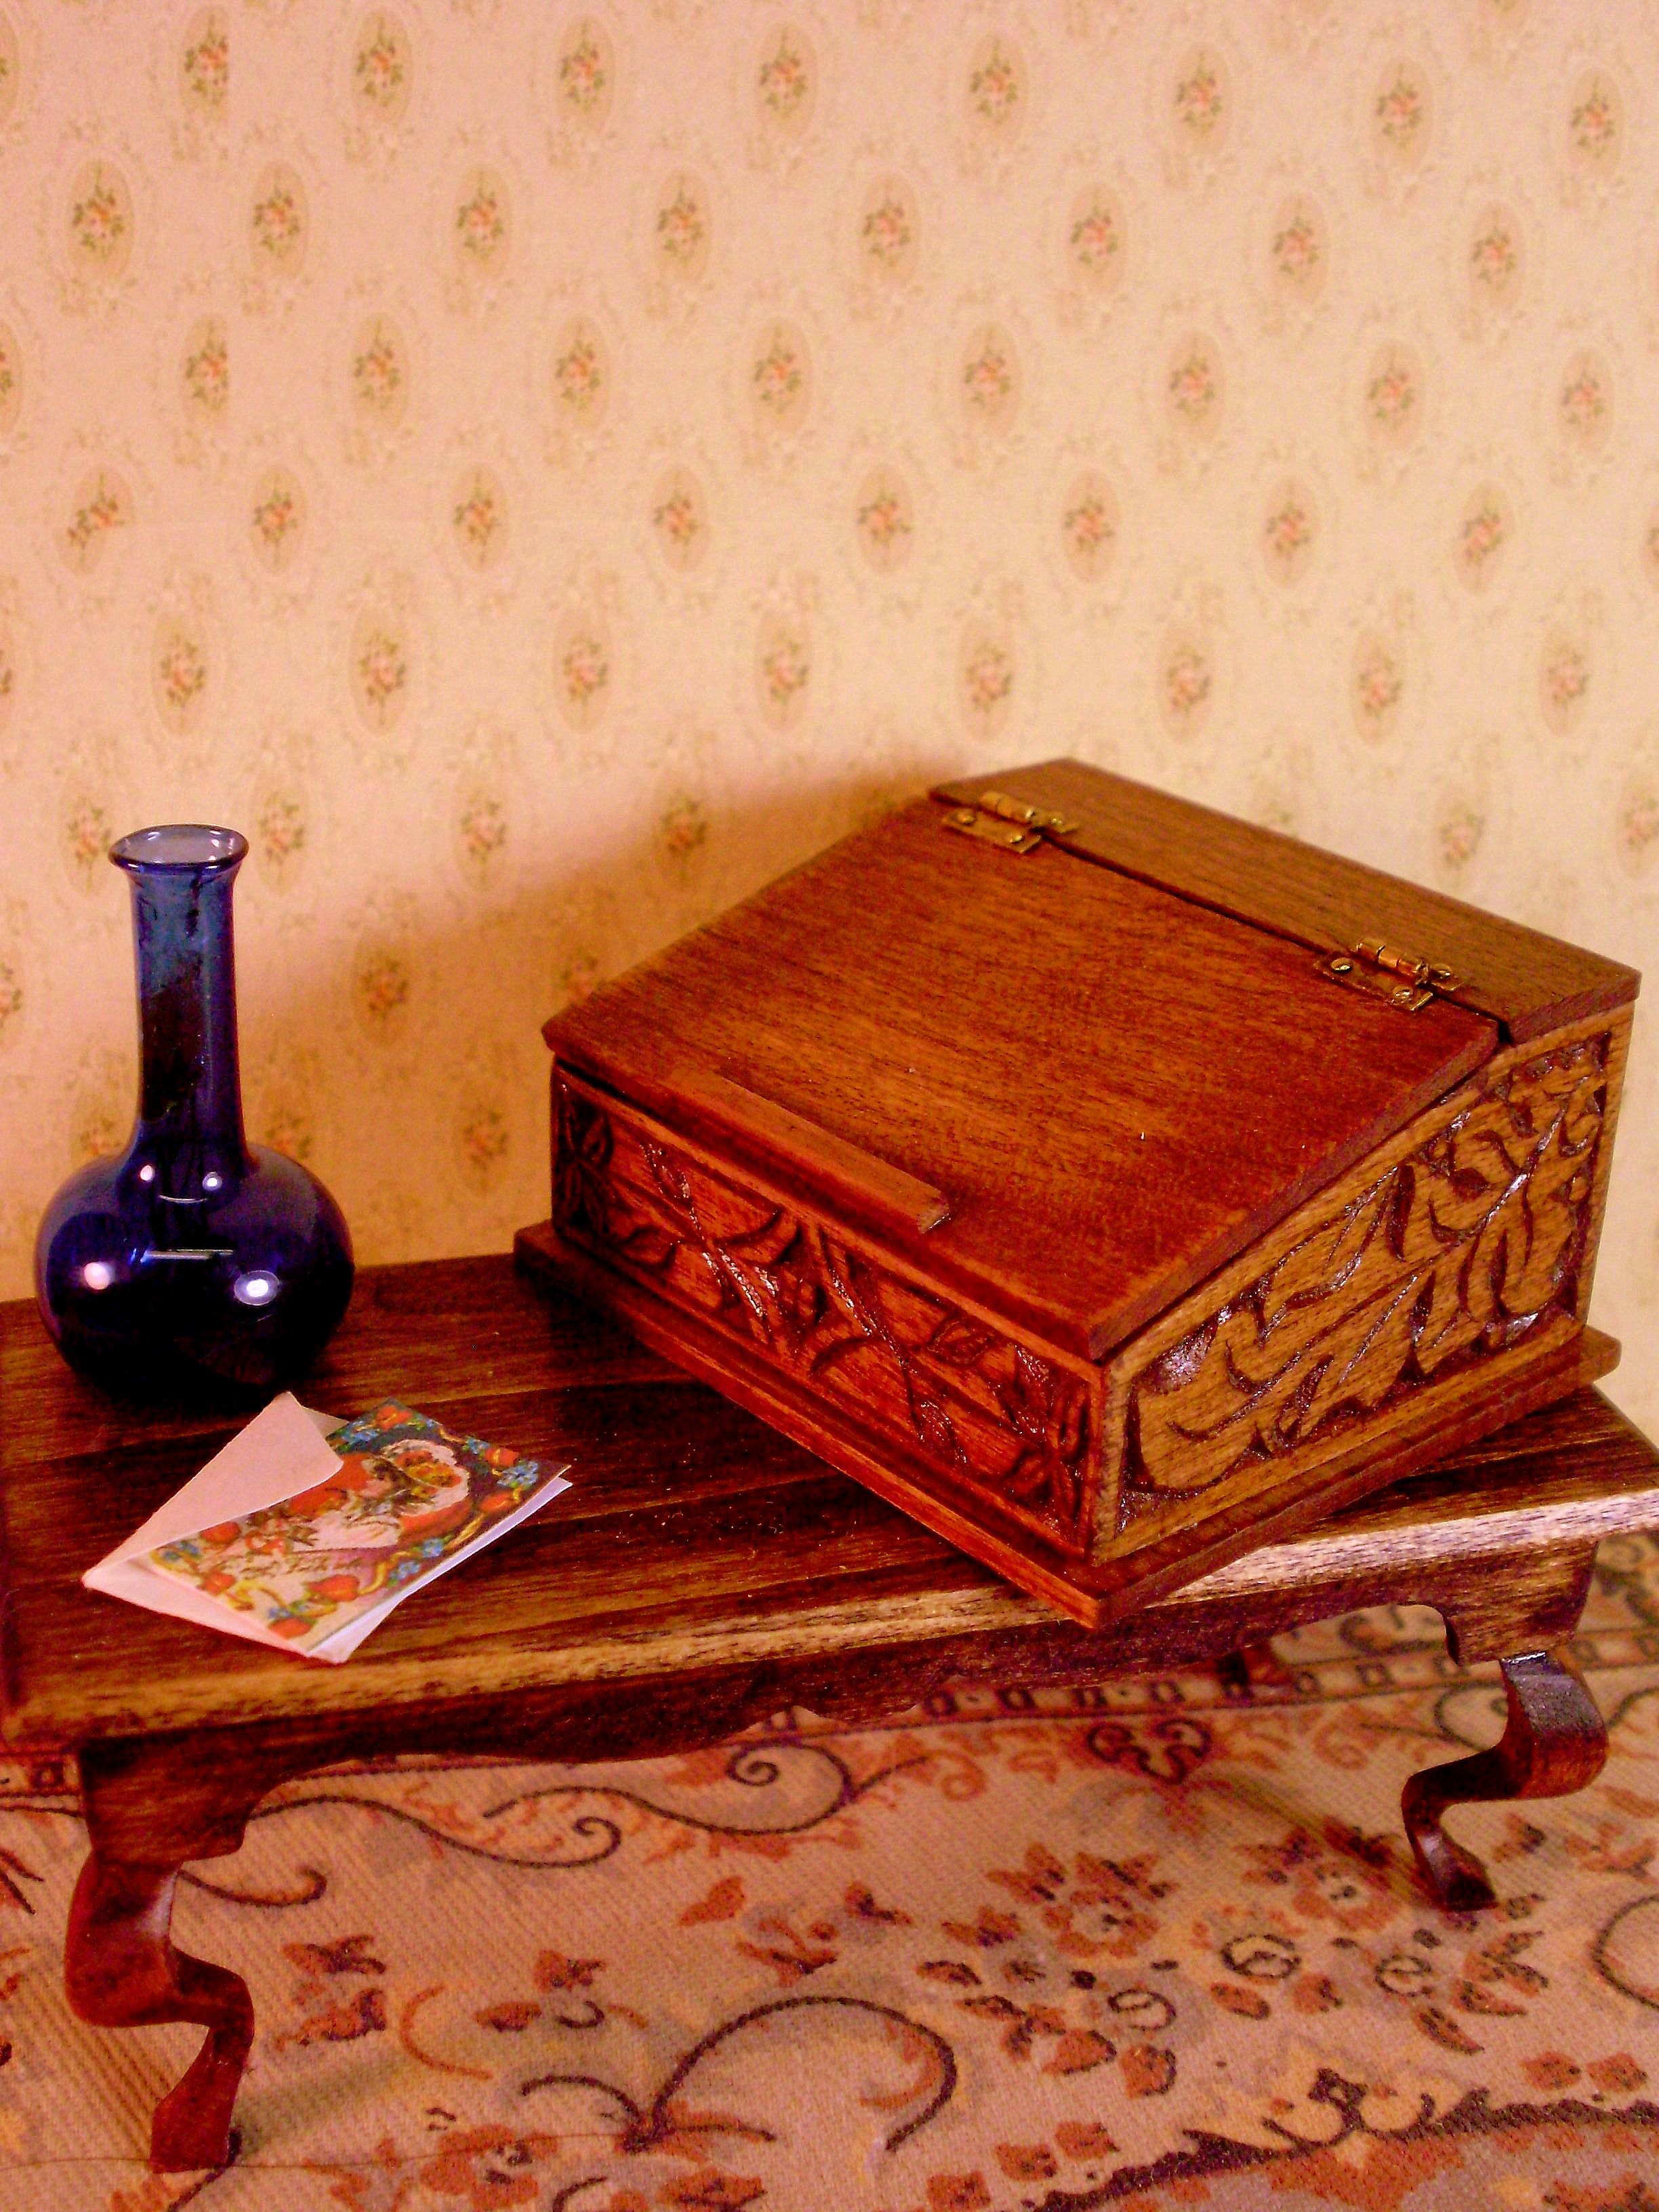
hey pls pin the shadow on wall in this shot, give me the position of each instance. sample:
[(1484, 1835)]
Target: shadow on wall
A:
[(453, 1154)]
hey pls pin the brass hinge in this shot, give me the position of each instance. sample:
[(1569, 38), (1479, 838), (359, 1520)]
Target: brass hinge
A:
[(992, 814), (1406, 980)]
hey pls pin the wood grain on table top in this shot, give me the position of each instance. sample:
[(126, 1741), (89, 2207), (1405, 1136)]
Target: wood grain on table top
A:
[(694, 1536)]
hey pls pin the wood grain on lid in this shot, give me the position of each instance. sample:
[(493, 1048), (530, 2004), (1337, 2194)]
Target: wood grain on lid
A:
[(1115, 1088), (1527, 982)]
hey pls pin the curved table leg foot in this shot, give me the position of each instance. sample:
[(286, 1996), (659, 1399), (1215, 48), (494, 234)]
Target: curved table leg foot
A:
[(1554, 1744), (122, 1970)]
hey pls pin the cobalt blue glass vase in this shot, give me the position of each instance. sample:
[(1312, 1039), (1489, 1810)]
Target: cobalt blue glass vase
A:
[(193, 1265)]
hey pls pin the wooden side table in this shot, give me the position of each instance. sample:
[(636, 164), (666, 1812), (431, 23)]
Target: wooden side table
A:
[(702, 1575)]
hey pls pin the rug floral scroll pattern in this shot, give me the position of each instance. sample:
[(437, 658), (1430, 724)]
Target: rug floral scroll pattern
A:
[(1156, 1946), (1469, 1246), (980, 1407)]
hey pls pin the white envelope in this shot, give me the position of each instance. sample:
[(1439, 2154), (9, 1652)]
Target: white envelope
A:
[(281, 1452)]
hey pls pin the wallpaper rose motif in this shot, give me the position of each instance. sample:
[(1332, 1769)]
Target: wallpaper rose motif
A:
[(540, 472)]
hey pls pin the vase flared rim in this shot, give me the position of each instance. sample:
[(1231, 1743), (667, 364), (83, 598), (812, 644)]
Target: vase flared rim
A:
[(187, 846)]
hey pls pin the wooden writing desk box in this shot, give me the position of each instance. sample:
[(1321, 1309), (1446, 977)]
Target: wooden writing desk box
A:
[(1094, 1177)]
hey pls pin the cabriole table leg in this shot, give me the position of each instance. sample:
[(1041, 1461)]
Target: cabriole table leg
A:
[(1554, 1742), (122, 1970), (151, 1808)]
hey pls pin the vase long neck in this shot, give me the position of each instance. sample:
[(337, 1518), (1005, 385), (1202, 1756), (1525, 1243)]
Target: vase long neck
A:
[(190, 1109)]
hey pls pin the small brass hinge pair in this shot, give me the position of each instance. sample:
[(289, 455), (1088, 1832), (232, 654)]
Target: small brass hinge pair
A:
[(1008, 823), (1406, 980)]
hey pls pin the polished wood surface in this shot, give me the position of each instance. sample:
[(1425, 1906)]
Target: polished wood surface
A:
[(1161, 1555), (1554, 1742), (703, 1576), (1527, 982), (854, 1182), (695, 1542), (1469, 1234), (121, 1969), (1113, 1090), (1089, 1222), (1437, 1289)]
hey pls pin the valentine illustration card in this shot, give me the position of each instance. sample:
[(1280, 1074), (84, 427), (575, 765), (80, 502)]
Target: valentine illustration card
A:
[(381, 1504)]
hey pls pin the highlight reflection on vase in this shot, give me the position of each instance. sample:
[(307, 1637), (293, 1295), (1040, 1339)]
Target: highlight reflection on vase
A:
[(193, 1263)]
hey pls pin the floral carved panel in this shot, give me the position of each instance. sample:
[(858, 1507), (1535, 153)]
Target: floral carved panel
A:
[(986, 1411), (1469, 1246)]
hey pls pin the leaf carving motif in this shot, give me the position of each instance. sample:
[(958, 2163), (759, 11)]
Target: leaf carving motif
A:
[(987, 1411), (1468, 1246), (581, 1192)]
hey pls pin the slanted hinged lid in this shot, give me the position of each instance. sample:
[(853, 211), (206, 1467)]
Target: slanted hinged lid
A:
[(1059, 1089), (1381, 934), (1407, 981)]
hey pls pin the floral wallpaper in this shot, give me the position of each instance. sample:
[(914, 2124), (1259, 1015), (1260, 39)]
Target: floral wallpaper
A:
[(540, 469)]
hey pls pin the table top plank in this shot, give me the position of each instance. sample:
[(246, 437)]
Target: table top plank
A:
[(694, 1537)]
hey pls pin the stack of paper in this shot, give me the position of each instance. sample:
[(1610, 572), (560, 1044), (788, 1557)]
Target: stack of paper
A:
[(305, 1531)]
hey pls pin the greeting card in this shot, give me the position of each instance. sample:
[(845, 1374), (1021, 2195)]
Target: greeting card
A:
[(306, 1531)]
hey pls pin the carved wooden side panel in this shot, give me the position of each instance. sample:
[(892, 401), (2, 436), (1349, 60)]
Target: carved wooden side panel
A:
[(988, 1412), (1468, 1238)]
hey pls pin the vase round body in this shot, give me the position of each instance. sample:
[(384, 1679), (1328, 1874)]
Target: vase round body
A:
[(192, 1264)]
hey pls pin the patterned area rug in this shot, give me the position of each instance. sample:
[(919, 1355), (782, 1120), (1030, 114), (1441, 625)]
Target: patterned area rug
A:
[(1159, 1947)]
